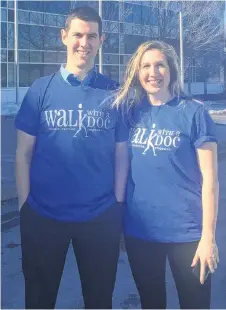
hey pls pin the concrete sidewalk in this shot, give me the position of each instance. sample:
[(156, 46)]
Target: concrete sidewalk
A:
[(125, 294), (8, 150)]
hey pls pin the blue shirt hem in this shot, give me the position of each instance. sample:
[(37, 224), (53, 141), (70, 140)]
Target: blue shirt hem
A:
[(182, 239), (82, 218)]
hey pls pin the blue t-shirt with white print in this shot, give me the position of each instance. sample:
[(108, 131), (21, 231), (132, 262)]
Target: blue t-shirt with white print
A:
[(72, 169), (164, 190)]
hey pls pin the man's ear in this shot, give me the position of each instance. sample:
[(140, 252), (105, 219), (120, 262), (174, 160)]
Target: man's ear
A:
[(64, 36), (102, 38)]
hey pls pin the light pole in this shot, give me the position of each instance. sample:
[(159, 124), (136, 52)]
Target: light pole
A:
[(181, 50), (16, 58), (100, 50)]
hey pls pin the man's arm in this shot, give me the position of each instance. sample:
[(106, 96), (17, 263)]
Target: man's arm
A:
[(121, 170), (24, 151)]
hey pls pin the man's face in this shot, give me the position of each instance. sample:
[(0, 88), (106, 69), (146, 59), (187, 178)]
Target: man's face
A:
[(83, 41)]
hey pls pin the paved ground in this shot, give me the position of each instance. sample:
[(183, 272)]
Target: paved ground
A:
[(8, 149), (125, 295)]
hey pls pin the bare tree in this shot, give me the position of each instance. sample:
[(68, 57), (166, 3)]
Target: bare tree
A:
[(203, 29)]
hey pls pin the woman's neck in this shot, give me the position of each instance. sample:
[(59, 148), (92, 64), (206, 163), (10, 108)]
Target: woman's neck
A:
[(159, 99)]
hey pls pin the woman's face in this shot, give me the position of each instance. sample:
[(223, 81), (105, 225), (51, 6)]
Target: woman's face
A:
[(154, 73)]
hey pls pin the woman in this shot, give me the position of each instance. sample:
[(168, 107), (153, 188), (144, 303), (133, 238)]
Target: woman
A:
[(173, 193)]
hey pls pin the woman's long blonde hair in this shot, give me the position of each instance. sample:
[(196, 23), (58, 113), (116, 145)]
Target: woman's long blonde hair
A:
[(131, 91)]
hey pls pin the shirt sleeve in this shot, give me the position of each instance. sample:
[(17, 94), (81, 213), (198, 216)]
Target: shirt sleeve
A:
[(122, 128), (28, 117), (203, 128)]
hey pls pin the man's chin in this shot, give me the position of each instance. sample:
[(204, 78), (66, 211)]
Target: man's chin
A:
[(83, 63)]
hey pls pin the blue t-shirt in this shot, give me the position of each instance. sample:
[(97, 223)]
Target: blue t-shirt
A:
[(72, 168), (164, 190)]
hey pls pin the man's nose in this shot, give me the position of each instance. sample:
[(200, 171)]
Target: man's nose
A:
[(84, 41)]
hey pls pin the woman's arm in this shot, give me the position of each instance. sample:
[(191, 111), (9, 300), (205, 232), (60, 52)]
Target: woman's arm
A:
[(207, 250), (121, 170), (207, 156)]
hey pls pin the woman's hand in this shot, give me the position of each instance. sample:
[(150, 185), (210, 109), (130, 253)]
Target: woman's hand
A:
[(207, 253)]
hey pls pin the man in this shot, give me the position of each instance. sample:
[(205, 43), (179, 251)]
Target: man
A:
[(72, 166)]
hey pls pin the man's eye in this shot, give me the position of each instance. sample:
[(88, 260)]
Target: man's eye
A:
[(161, 65)]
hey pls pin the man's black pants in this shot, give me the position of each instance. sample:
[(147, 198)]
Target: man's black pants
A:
[(45, 243), (148, 265)]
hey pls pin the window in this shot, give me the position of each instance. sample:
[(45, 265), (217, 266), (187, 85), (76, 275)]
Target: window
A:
[(31, 5), (60, 21), (24, 34), (110, 10), (3, 55), (146, 16), (131, 42), (24, 5), (36, 56), (10, 55), (11, 15), (52, 39), (61, 57), (128, 13), (154, 17), (10, 35), (11, 75), (50, 19), (50, 57), (124, 59), (4, 15), (111, 43), (59, 7), (112, 72), (24, 56), (36, 37), (24, 17), (3, 75), (36, 18), (49, 69), (111, 59), (122, 70), (3, 4), (36, 5), (28, 73), (10, 3), (137, 14), (3, 35)]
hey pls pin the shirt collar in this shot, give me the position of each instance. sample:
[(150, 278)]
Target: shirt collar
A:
[(71, 78)]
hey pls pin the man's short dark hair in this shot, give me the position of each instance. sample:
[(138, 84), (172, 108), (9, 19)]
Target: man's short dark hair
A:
[(85, 13)]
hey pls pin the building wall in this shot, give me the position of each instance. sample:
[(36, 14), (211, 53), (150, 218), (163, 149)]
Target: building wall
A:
[(126, 24)]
